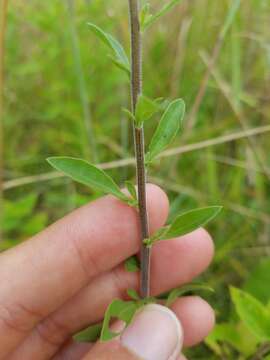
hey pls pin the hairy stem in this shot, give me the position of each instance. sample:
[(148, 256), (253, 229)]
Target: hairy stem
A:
[(136, 89)]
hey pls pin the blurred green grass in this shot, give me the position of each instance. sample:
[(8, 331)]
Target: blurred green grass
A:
[(55, 69)]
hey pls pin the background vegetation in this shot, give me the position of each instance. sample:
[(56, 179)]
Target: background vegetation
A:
[(64, 97)]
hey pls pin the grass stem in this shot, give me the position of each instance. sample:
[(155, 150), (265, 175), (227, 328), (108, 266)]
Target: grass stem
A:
[(225, 139), (92, 146)]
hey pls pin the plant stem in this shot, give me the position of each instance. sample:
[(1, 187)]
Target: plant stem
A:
[(136, 89)]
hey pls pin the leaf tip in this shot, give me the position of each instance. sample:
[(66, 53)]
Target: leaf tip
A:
[(54, 160)]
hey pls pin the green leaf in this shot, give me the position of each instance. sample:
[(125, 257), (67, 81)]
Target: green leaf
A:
[(132, 264), (185, 223), (235, 334), (122, 310), (176, 293), (223, 333), (167, 129), (258, 277), (129, 114), (150, 19), (133, 294), (119, 64), (145, 109), (252, 312), (131, 189), (87, 174), (90, 334), (145, 14), (190, 221), (120, 58)]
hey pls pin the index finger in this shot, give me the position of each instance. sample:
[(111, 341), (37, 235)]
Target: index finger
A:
[(41, 274)]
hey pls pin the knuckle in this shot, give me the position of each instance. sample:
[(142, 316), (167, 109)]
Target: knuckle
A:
[(18, 317), (86, 260), (52, 332), (122, 280)]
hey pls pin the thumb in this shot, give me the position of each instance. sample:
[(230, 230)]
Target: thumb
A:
[(155, 334)]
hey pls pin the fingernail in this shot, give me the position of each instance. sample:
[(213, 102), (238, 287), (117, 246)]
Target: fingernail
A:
[(155, 334)]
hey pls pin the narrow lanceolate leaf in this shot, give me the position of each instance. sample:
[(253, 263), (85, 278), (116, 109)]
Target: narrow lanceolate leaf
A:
[(120, 64), (145, 109), (122, 310), (129, 114), (177, 292), (131, 189), (185, 223), (145, 14), (253, 313), (190, 221), (120, 58), (150, 19), (132, 264), (167, 129), (91, 334), (87, 174)]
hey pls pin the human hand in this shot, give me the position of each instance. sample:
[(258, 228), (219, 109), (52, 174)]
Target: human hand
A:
[(62, 280)]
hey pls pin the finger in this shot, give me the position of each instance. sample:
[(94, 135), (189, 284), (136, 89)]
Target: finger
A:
[(155, 334), (197, 318), (73, 351), (182, 258), (77, 351), (61, 260)]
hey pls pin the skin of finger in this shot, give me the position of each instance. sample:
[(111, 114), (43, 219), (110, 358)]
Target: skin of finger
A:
[(189, 256), (78, 351), (112, 350), (197, 318), (183, 259), (61, 260), (73, 351)]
